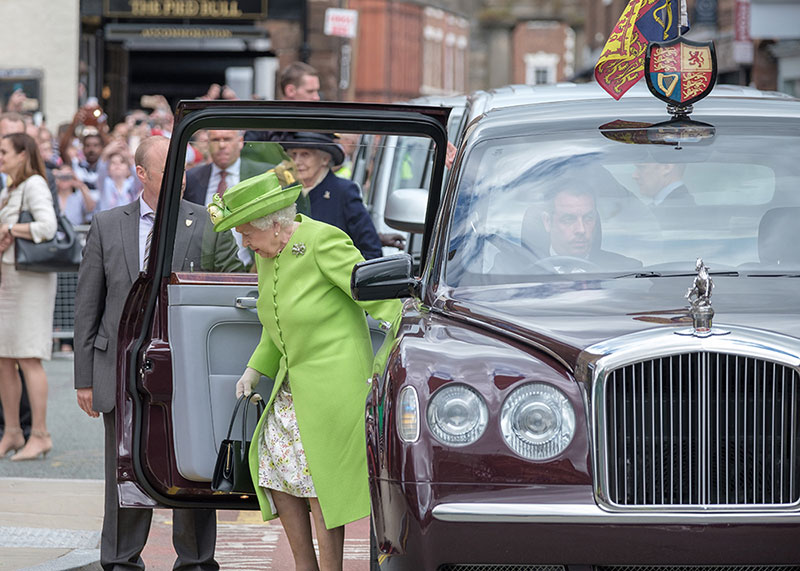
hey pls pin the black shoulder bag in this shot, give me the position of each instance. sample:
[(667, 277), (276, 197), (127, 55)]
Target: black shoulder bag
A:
[(61, 254), (232, 470)]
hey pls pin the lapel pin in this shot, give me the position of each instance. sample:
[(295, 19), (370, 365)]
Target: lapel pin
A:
[(327, 194), (188, 222)]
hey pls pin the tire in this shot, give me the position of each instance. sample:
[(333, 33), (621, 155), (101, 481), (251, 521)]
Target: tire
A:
[(373, 548)]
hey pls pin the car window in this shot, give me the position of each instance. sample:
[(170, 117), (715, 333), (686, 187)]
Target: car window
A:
[(411, 164), (571, 205)]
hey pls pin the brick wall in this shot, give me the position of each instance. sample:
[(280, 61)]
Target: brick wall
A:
[(542, 45)]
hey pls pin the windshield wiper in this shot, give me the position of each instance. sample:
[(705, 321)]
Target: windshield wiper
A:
[(639, 275), (774, 275), (651, 274)]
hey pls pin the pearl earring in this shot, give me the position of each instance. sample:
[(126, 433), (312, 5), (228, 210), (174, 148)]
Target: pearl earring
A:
[(276, 234)]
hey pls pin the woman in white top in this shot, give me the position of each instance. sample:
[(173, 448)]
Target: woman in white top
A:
[(27, 299)]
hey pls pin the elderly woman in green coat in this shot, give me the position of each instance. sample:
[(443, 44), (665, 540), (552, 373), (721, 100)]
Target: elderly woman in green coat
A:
[(309, 447)]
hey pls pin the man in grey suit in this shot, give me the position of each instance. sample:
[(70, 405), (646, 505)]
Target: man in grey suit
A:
[(116, 251)]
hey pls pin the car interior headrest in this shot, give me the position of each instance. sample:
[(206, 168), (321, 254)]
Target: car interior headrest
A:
[(779, 236)]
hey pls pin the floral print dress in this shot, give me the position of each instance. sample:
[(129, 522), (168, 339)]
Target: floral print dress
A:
[(282, 459)]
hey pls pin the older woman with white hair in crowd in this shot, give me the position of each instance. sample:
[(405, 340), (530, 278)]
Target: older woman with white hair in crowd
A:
[(334, 200), (309, 447)]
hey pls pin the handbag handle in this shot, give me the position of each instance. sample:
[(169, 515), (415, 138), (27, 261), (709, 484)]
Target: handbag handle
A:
[(259, 408)]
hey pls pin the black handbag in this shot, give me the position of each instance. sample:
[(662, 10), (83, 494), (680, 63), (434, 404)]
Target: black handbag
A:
[(232, 470), (61, 254)]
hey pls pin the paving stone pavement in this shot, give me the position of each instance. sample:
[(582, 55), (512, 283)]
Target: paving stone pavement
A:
[(54, 525)]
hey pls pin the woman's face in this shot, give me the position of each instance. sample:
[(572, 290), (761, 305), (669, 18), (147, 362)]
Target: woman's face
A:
[(10, 161), (265, 243), (310, 164)]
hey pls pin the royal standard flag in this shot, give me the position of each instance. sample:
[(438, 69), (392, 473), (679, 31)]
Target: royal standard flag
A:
[(621, 63)]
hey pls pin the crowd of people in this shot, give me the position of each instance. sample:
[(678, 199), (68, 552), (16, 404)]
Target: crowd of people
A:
[(109, 178)]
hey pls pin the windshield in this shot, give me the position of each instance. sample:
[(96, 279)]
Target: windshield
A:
[(594, 204)]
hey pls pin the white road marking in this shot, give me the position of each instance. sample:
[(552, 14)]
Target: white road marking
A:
[(354, 549), (246, 547)]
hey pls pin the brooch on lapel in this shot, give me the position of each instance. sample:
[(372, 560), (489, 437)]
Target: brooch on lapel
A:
[(327, 194), (188, 222), (299, 249)]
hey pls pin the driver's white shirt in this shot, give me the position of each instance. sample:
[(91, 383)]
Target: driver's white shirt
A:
[(562, 269)]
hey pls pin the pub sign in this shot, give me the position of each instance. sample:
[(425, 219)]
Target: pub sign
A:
[(200, 9)]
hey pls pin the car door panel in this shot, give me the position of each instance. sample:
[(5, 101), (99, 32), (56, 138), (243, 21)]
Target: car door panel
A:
[(211, 340)]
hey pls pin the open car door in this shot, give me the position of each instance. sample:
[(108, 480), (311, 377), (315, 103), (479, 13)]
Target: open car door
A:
[(186, 336)]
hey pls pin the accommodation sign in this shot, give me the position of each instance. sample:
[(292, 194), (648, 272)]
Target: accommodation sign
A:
[(217, 9)]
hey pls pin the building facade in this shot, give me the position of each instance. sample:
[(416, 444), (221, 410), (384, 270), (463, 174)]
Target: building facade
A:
[(38, 54), (122, 50)]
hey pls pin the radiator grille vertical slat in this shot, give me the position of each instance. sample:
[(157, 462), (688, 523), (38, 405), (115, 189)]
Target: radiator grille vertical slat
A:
[(679, 441), (737, 405), (653, 433), (745, 419), (671, 433), (727, 432), (783, 427), (701, 429), (792, 440), (773, 437), (625, 465), (763, 439)]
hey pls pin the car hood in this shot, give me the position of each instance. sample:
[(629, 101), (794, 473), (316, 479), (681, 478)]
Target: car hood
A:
[(568, 317)]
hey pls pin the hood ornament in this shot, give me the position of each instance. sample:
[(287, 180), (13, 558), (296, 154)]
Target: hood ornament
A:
[(699, 296)]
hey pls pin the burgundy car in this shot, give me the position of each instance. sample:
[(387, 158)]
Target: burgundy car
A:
[(598, 367), (549, 398)]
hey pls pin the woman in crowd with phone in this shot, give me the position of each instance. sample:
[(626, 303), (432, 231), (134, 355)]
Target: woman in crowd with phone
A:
[(74, 198), (27, 299)]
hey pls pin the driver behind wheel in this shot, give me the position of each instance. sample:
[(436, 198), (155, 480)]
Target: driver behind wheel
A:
[(572, 224)]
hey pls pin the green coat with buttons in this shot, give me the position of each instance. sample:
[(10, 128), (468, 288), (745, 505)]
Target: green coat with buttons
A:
[(314, 332)]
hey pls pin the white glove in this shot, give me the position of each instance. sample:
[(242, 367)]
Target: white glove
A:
[(247, 382)]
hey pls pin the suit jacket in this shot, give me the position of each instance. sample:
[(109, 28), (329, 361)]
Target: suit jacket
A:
[(606, 259), (671, 212), (337, 201), (197, 184), (680, 196), (108, 269)]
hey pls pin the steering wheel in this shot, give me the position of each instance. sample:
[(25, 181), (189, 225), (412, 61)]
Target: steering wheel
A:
[(566, 265)]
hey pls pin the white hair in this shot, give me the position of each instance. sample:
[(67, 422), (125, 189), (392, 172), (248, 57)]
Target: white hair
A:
[(284, 217)]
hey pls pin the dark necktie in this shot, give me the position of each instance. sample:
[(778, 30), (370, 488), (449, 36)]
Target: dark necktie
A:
[(151, 217), (222, 187)]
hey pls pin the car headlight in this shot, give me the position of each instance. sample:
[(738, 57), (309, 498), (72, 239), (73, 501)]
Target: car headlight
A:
[(457, 415), (408, 414), (537, 421)]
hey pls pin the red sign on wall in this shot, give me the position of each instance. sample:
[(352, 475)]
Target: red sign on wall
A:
[(341, 22), (742, 21), (742, 44)]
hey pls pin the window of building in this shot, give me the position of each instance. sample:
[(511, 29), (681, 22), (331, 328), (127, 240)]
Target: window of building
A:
[(541, 68)]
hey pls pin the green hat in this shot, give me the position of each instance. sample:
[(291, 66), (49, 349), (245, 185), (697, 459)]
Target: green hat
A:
[(250, 199)]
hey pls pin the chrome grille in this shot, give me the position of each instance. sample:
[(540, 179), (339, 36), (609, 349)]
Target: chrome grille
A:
[(498, 567), (701, 429), (699, 568)]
